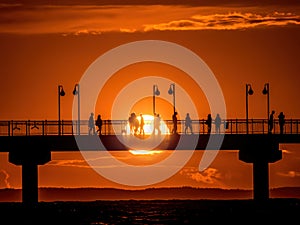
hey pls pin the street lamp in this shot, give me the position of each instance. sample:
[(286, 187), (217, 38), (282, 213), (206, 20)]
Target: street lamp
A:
[(171, 91), (76, 92), (60, 92), (249, 91), (155, 92), (266, 91)]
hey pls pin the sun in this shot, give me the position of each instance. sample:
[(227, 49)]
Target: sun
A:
[(148, 126)]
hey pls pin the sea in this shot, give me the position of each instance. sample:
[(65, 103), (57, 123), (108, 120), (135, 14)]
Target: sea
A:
[(141, 212)]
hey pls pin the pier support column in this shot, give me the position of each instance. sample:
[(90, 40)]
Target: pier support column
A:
[(260, 152), (261, 180), (30, 183), (29, 154)]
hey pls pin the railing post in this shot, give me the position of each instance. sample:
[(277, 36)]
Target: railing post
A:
[(62, 127), (8, 128), (12, 128), (27, 125)]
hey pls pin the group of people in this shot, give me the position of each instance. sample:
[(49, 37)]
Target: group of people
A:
[(137, 126), (281, 121), (92, 123), (188, 123)]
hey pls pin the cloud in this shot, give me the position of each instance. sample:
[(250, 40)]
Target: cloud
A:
[(228, 21), (99, 19), (4, 179), (291, 174), (208, 176), (154, 2), (95, 162)]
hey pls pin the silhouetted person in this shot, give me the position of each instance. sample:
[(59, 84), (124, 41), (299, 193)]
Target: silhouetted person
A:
[(99, 124), (281, 118), (218, 122), (142, 123), (188, 124), (208, 123), (136, 124), (156, 124), (131, 121), (91, 125), (271, 122), (174, 119)]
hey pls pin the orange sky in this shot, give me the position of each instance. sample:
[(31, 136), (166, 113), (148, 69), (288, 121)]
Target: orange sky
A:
[(45, 45)]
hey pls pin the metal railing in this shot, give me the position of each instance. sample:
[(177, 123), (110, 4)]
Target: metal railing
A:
[(69, 127)]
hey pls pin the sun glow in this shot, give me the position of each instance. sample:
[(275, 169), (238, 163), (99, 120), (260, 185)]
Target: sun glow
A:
[(148, 126), (145, 152)]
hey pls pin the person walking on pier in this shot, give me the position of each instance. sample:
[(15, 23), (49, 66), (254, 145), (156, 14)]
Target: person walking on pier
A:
[(281, 118), (208, 123), (218, 122), (271, 122), (142, 123), (91, 124), (174, 119), (156, 125), (188, 124), (99, 124)]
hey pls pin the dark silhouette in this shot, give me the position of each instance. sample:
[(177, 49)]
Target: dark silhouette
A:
[(99, 124), (91, 125), (142, 123), (174, 119), (156, 121), (132, 123), (208, 123), (271, 122), (188, 124), (218, 122), (281, 118), (136, 124)]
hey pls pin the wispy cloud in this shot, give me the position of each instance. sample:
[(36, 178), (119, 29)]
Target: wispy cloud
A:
[(4, 179), (95, 162), (291, 174), (208, 176), (98, 19), (228, 21)]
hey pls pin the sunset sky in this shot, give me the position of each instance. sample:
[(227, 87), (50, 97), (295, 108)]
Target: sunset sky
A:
[(55, 42)]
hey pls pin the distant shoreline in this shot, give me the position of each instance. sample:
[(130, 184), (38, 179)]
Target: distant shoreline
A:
[(49, 194)]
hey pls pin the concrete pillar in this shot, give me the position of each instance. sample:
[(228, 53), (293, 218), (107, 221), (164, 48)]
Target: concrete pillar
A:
[(261, 180), (29, 153), (30, 183)]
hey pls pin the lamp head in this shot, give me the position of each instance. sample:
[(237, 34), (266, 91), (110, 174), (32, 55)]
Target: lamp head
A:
[(75, 91), (265, 91), (62, 92), (170, 91), (250, 91), (157, 92)]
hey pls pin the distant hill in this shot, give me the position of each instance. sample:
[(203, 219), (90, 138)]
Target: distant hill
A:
[(92, 194)]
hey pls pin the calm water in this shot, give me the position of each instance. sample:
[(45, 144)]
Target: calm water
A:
[(152, 212)]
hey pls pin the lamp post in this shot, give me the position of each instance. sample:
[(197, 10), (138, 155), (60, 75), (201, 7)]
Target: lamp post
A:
[(266, 91), (249, 91), (155, 92), (60, 92), (171, 91), (77, 92)]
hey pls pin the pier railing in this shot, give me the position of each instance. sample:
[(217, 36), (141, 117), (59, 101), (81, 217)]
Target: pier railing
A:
[(69, 127)]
